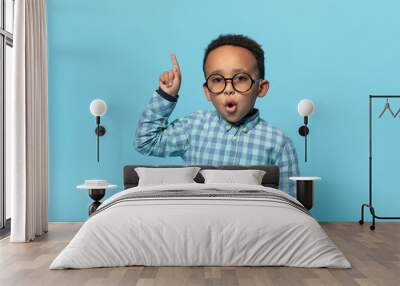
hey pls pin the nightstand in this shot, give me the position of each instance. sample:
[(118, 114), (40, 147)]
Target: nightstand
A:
[(97, 190), (304, 190)]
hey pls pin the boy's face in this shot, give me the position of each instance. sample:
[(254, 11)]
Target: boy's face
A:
[(228, 61)]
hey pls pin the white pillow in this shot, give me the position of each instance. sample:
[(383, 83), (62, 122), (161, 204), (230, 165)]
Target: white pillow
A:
[(250, 177), (162, 176)]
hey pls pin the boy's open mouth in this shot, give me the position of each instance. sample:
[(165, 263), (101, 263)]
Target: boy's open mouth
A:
[(230, 106)]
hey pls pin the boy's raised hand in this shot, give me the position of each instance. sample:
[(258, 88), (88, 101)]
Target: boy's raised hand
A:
[(170, 81)]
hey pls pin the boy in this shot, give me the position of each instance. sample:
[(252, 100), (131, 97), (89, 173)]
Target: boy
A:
[(234, 134)]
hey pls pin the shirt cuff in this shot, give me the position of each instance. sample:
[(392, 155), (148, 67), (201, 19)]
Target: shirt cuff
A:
[(165, 95)]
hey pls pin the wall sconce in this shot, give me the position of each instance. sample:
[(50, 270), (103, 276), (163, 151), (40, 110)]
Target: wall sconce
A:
[(98, 108), (305, 108)]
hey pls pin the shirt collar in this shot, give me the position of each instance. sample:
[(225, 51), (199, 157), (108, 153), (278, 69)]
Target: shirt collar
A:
[(246, 123)]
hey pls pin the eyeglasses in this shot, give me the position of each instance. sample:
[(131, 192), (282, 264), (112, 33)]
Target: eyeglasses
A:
[(241, 82)]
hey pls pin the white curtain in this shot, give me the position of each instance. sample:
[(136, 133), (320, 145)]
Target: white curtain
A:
[(27, 124)]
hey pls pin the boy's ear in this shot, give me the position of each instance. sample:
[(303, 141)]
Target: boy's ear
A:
[(206, 92), (263, 88)]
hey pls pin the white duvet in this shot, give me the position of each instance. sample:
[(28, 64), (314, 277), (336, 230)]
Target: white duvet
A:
[(185, 231)]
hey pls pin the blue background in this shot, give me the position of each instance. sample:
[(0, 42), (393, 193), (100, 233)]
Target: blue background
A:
[(335, 53)]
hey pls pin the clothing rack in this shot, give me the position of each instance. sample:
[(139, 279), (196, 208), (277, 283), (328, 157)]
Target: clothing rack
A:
[(370, 205)]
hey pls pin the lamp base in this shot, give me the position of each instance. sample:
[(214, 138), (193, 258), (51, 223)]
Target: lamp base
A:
[(303, 130), (100, 130)]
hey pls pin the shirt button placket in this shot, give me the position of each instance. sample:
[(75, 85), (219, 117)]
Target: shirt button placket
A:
[(235, 139)]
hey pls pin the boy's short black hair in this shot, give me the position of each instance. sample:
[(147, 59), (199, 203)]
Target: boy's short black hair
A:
[(240, 41)]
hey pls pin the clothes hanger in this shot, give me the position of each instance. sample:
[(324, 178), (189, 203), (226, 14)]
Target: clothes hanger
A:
[(387, 107), (397, 113)]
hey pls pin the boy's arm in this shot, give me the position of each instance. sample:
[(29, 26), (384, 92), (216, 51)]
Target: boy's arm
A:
[(288, 167), (154, 135)]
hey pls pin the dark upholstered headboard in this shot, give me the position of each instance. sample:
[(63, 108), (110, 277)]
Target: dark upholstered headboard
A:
[(270, 179)]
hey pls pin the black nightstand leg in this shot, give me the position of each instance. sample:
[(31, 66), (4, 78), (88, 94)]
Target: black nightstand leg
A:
[(304, 190), (96, 195), (93, 207)]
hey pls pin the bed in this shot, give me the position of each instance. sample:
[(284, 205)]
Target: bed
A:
[(201, 224)]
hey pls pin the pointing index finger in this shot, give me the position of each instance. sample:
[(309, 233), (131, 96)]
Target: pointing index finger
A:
[(175, 62)]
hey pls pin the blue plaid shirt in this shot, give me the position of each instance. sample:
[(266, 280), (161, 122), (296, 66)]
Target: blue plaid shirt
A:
[(206, 138)]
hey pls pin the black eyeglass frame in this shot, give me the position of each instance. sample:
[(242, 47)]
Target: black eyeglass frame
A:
[(231, 79)]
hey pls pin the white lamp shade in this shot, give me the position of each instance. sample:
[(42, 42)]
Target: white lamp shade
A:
[(305, 107), (98, 107)]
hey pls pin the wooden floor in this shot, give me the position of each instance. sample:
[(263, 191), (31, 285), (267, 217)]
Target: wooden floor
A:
[(374, 255)]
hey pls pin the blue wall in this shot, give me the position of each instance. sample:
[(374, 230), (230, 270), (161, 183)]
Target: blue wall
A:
[(333, 52)]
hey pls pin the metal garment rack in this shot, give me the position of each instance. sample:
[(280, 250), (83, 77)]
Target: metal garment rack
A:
[(369, 205)]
